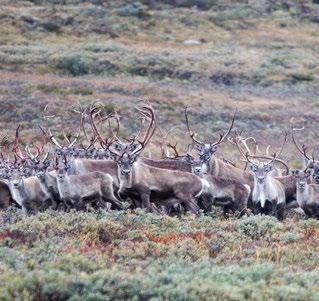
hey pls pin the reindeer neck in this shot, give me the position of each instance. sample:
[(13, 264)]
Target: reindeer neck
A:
[(213, 166), (19, 193), (126, 181), (63, 185), (303, 195), (263, 191)]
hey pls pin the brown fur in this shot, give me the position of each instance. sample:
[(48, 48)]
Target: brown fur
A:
[(162, 186), (5, 196), (81, 190), (229, 193)]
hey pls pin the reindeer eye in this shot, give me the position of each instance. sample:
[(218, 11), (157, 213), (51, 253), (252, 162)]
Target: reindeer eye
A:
[(267, 168), (252, 168)]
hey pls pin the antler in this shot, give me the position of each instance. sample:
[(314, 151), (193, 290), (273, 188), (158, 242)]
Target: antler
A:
[(303, 148), (148, 112), (105, 143), (223, 136), (163, 141), (235, 141), (191, 133), (47, 133), (275, 156), (16, 147)]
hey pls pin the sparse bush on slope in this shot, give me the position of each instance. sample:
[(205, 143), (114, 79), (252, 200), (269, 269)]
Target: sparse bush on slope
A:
[(137, 256)]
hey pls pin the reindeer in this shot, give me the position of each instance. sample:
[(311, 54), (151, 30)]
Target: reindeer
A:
[(5, 195), (151, 184), (268, 195), (26, 191), (310, 162), (80, 191), (215, 166), (24, 188), (228, 193), (287, 180), (307, 193), (43, 169)]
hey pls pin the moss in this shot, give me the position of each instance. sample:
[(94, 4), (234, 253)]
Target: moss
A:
[(302, 77)]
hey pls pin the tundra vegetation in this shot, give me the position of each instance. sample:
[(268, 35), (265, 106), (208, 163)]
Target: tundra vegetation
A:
[(213, 56)]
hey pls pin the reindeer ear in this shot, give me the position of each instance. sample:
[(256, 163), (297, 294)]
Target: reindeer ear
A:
[(309, 164), (268, 167), (188, 158), (251, 167), (308, 172)]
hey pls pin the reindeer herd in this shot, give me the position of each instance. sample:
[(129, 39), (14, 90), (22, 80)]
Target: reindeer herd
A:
[(110, 172)]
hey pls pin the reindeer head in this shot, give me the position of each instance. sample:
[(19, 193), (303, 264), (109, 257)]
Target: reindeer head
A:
[(17, 171), (302, 178), (126, 162), (310, 161), (207, 150), (126, 153), (199, 165), (260, 170), (61, 169)]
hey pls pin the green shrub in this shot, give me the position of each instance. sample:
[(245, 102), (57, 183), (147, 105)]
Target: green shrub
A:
[(302, 77), (258, 226), (76, 64)]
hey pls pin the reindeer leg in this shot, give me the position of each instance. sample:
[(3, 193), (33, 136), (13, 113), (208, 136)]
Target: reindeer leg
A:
[(280, 208), (68, 204), (145, 198), (188, 202), (54, 204)]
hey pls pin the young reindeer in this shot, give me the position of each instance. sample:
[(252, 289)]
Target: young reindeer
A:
[(81, 191), (307, 193), (150, 184), (228, 193), (268, 195)]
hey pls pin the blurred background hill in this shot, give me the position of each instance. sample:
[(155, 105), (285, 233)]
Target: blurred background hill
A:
[(260, 56)]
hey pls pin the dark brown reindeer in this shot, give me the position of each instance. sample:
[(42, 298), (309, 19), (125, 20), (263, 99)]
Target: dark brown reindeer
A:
[(5, 195)]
